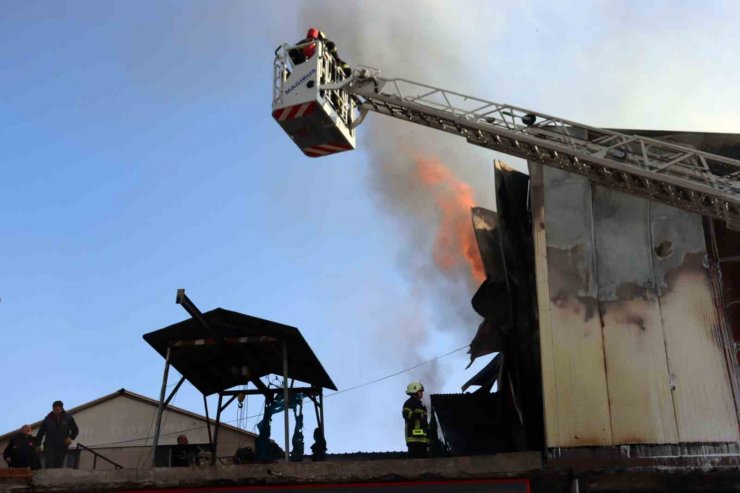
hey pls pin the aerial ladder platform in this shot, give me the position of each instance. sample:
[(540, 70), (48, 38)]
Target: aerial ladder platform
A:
[(319, 107)]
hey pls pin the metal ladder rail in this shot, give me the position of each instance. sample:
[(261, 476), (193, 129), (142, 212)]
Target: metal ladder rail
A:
[(693, 180), (509, 117)]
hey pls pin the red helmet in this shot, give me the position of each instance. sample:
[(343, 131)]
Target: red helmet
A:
[(313, 33)]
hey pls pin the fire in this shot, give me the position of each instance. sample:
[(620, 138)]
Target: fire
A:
[(455, 242)]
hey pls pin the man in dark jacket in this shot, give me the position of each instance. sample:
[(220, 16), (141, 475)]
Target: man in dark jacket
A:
[(60, 429), (184, 454), (415, 417), (21, 450)]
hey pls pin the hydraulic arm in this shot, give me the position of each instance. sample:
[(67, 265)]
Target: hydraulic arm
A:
[(677, 175)]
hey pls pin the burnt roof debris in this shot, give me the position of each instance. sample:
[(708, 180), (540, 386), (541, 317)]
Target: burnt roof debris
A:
[(491, 301), (485, 224), (506, 301), (487, 340), (472, 424), (726, 256), (253, 350), (487, 377)]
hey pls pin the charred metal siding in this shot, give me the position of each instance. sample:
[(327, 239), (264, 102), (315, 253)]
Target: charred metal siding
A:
[(632, 350), (726, 256), (505, 300)]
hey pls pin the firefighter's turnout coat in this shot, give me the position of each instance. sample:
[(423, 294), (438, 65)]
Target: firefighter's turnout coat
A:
[(417, 426)]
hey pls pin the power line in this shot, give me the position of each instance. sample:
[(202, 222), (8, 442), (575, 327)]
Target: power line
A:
[(399, 372), (387, 376), (327, 396)]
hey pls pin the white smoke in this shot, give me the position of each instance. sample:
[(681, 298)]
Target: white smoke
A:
[(413, 40)]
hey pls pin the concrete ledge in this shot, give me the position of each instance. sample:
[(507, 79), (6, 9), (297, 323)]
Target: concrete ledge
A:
[(12, 479), (484, 467), (664, 475)]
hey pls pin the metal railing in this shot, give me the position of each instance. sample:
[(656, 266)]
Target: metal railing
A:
[(329, 73), (96, 456)]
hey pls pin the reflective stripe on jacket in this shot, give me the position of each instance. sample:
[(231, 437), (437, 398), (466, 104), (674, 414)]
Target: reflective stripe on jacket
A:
[(415, 416)]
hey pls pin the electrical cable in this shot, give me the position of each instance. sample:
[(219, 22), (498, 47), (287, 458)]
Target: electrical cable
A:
[(329, 395), (398, 372)]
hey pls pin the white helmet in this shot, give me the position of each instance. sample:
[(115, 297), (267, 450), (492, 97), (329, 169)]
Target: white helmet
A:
[(414, 387)]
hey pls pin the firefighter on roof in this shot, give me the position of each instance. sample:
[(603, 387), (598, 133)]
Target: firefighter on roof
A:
[(415, 417)]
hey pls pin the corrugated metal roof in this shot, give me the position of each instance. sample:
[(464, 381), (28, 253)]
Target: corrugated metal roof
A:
[(212, 368), (471, 423)]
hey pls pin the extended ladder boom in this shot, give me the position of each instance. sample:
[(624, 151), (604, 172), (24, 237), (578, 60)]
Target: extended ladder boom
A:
[(677, 175)]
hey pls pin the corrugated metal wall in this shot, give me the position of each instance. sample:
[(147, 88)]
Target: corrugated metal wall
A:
[(629, 330)]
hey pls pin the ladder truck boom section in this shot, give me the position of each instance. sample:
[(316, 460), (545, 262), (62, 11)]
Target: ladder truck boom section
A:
[(319, 108)]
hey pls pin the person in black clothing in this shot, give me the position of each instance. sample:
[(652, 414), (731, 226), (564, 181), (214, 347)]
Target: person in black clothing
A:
[(59, 429), (21, 450), (184, 455), (319, 446), (331, 47), (244, 455), (415, 418)]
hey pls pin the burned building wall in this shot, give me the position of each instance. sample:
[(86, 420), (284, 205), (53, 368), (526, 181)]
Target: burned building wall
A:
[(506, 302), (632, 349), (726, 258)]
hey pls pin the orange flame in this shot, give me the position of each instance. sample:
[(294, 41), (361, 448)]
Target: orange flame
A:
[(455, 240)]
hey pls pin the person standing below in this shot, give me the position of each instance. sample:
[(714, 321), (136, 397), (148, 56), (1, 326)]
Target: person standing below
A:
[(21, 450), (415, 417), (60, 429), (184, 454)]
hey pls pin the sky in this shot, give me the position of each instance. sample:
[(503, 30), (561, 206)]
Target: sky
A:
[(139, 156)]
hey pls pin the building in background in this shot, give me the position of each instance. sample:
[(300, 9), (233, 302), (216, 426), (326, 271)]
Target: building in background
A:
[(119, 427)]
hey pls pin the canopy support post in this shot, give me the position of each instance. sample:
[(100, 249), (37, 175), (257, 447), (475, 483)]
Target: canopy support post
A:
[(285, 400), (208, 425), (160, 408), (215, 430)]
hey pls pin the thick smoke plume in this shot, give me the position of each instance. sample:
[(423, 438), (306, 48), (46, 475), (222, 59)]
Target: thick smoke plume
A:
[(426, 181)]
